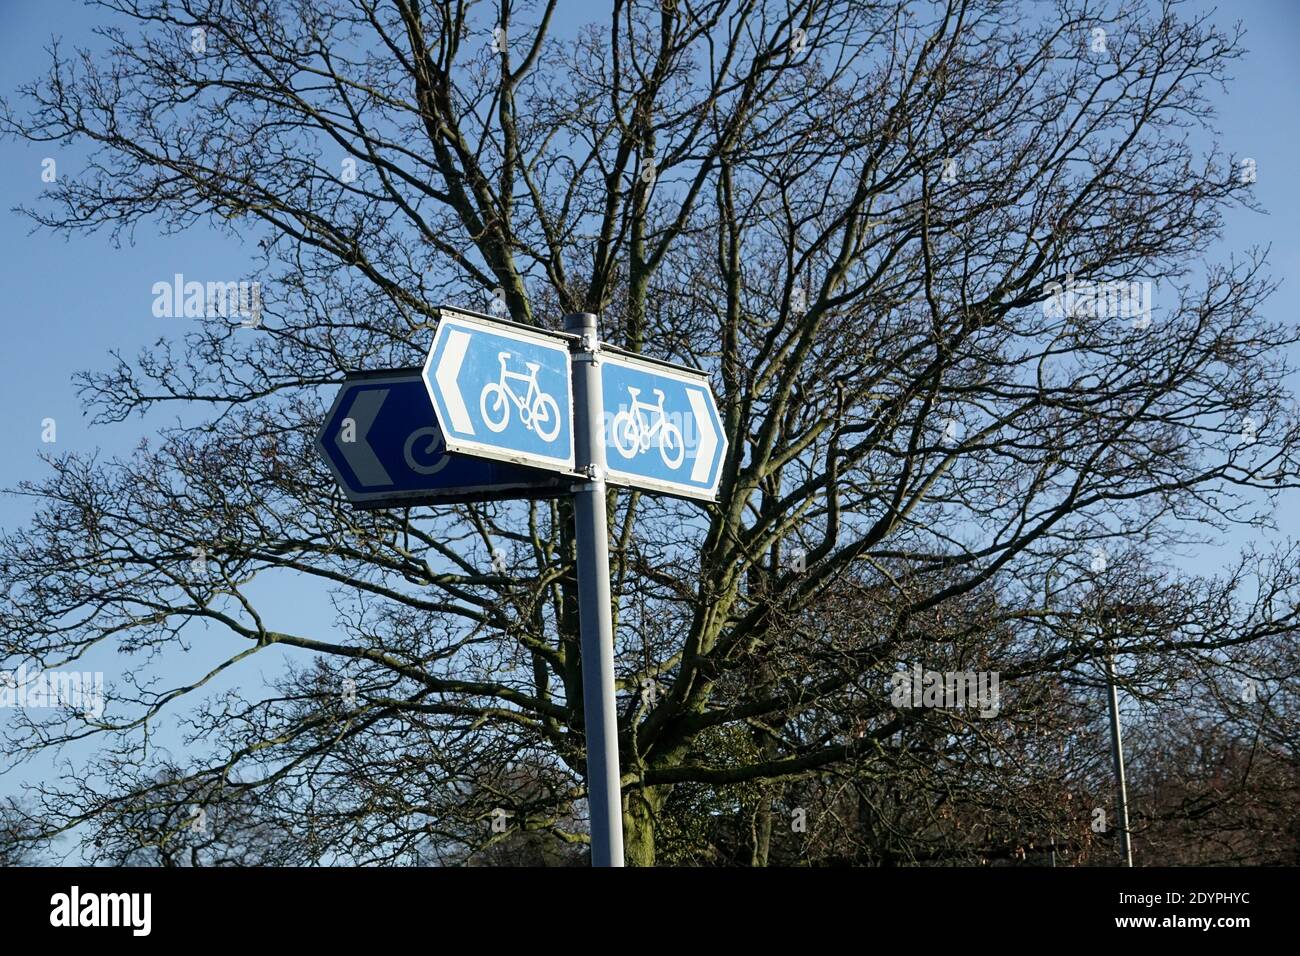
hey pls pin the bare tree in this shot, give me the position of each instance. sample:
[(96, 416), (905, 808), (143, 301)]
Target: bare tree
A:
[(946, 265)]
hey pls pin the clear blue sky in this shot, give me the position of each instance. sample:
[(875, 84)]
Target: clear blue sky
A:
[(67, 303)]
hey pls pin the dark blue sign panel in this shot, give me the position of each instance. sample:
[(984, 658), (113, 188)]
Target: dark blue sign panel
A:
[(382, 443)]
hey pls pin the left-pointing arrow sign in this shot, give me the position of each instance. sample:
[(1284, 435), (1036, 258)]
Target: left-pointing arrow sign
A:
[(502, 390), (383, 446)]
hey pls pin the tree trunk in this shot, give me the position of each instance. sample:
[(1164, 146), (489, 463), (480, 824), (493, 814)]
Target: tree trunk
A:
[(639, 813), (762, 832)]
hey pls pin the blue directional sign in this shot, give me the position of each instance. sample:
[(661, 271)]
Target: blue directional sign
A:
[(384, 448), (662, 428), (502, 390)]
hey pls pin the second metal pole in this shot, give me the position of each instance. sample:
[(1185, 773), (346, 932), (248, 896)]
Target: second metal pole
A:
[(1117, 754), (604, 793)]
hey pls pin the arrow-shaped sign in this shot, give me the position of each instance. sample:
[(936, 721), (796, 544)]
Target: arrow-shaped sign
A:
[(502, 390), (383, 446), (662, 428)]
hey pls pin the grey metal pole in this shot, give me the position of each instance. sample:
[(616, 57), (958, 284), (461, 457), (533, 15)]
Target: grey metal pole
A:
[(1117, 754), (604, 794)]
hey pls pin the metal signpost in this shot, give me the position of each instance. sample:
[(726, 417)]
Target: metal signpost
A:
[(1117, 756), (523, 412), (595, 622)]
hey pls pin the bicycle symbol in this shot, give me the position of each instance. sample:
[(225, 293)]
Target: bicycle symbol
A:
[(635, 427), (538, 411)]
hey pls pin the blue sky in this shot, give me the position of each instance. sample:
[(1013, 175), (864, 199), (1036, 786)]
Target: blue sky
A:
[(68, 303)]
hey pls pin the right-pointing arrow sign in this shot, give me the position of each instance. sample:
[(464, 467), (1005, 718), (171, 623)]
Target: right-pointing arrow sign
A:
[(662, 427)]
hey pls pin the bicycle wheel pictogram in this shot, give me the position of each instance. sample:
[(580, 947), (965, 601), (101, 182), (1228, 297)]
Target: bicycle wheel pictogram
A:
[(545, 417), (672, 449), (626, 429), (494, 405)]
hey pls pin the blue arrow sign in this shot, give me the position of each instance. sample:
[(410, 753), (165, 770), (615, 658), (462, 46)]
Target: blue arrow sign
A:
[(384, 448), (662, 428), (502, 390)]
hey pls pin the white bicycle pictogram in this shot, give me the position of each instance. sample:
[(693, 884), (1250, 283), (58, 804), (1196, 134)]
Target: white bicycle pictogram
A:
[(538, 411), (635, 427)]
